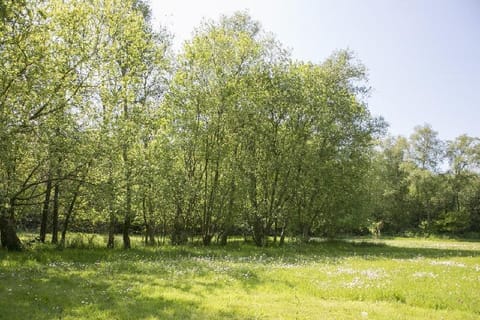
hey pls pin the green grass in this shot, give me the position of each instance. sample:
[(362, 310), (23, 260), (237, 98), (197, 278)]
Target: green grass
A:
[(351, 279)]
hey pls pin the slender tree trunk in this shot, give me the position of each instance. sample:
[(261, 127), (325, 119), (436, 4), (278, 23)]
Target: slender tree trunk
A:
[(151, 223), (206, 213), (147, 220), (111, 213), (164, 228), (128, 220), (275, 231), (56, 192), (224, 237), (46, 205), (128, 201), (128, 192), (227, 225), (111, 231), (68, 215), (128, 198), (282, 236), (151, 233)]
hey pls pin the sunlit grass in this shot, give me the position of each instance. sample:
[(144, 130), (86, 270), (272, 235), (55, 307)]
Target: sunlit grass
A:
[(356, 279)]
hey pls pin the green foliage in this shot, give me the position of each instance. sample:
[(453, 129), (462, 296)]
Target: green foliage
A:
[(412, 193), (104, 129), (454, 221)]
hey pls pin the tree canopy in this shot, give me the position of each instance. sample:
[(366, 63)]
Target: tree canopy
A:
[(103, 128)]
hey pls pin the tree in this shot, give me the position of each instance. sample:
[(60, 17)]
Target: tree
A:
[(463, 154), (427, 149), (335, 136), (57, 68), (391, 186), (208, 98), (131, 61)]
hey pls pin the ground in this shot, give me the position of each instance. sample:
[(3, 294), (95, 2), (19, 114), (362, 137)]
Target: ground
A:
[(343, 279)]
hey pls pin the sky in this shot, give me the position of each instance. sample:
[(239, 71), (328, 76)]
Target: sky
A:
[(422, 56)]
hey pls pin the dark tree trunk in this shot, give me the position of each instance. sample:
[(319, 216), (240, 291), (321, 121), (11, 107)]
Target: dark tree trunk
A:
[(128, 216), (282, 239), (151, 234), (148, 221), (56, 193), (126, 229), (179, 235), (224, 237), (8, 233), (112, 215), (275, 231), (282, 234), (46, 205), (227, 226), (128, 192), (111, 231), (305, 233), (69, 214), (258, 233), (207, 239), (128, 204)]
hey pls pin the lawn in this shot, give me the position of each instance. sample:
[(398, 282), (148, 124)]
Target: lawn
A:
[(348, 279)]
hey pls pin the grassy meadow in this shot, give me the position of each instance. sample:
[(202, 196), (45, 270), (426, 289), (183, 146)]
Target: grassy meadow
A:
[(391, 279)]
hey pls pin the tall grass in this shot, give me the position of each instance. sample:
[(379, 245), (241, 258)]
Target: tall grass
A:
[(349, 279)]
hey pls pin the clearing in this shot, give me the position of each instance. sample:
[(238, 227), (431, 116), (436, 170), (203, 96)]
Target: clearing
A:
[(350, 279)]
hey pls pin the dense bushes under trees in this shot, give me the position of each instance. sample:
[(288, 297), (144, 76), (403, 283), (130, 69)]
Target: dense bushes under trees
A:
[(425, 185), (104, 129)]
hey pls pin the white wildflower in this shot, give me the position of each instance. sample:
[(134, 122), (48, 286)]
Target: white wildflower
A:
[(424, 275), (448, 263)]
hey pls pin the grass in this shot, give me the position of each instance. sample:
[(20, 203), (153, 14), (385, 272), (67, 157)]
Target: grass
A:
[(349, 279)]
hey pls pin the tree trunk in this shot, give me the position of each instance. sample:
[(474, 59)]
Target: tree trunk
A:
[(111, 231), (148, 221), (126, 229), (151, 234), (275, 231), (8, 233), (207, 239), (258, 232), (68, 215), (227, 225), (56, 192), (282, 238), (128, 202), (46, 205), (179, 235), (128, 173), (282, 234), (305, 233), (206, 212), (224, 239)]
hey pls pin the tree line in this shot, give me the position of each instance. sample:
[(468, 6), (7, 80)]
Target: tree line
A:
[(104, 128), (424, 184)]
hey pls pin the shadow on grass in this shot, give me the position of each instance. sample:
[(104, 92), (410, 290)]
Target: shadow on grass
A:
[(162, 282), (236, 252), (53, 294)]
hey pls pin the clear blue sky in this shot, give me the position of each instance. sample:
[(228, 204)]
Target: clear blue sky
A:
[(422, 55)]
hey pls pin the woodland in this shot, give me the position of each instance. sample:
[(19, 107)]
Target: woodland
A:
[(106, 129)]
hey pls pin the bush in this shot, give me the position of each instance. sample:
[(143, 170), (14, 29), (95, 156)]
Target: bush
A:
[(453, 222)]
